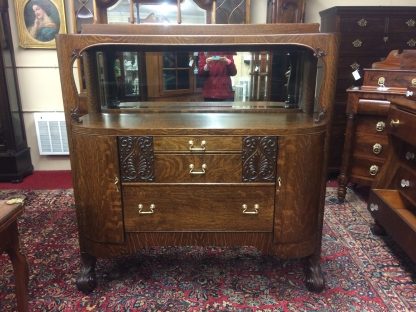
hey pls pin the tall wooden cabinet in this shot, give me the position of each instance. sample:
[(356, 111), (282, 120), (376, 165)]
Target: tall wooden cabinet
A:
[(15, 161), (368, 34)]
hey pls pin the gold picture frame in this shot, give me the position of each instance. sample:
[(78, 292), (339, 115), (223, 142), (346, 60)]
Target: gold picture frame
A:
[(38, 21)]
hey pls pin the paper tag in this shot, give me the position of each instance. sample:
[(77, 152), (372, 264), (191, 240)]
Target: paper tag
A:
[(356, 74)]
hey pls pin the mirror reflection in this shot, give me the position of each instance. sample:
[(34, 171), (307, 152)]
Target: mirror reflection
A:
[(129, 77)]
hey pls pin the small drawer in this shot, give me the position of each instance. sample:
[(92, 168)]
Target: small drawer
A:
[(366, 168), (389, 78), (405, 181), (402, 125), (403, 24), (197, 144), (371, 146), (373, 125), (198, 208), (189, 168), (358, 44)]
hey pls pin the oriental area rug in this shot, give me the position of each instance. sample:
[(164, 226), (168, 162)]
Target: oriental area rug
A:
[(363, 272)]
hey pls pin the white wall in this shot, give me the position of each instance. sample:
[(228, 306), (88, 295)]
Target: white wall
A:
[(38, 72)]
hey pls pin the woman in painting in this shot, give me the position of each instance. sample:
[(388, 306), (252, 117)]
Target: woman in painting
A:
[(217, 67), (44, 27)]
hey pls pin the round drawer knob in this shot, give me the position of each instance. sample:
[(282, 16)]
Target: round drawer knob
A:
[(373, 207), (380, 126), (373, 170), (409, 156), (377, 148), (404, 183)]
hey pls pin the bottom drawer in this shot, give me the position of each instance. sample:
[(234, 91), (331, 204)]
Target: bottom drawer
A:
[(198, 208)]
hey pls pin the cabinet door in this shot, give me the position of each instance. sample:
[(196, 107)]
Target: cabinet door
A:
[(301, 174), (95, 168)]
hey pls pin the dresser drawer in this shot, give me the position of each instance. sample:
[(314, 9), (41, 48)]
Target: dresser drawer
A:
[(365, 45), (197, 168), (197, 144), (375, 125), (402, 125), (198, 208), (366, 168), (405, 181), (371, 146), (362, 24), (403, 24), (391, 78)]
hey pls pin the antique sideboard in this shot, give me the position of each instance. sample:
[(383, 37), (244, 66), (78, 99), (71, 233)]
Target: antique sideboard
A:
[(155, 173)]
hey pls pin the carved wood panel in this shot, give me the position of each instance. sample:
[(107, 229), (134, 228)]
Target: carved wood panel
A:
[(136, 159), (259, 159)]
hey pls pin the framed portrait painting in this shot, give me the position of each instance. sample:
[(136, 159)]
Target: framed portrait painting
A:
[(38, 21)]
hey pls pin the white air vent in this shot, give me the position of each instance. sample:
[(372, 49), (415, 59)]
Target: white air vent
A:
[(51, 133)]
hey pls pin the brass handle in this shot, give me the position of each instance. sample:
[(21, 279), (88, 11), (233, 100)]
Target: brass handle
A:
[(357, 43), (251, 212), (381, 81), (411, 22), (373, 207), (377, 148), (150, 211), (409, 93), (413, 82), (411, 43), (202, 171), (202, 147), (116, 183), (380, 126), (362, 22), (394, 123), (373, 170)]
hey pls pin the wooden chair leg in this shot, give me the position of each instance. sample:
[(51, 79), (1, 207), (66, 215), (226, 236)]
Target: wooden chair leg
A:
[(21, 270)]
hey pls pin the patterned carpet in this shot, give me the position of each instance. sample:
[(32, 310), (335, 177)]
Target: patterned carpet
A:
[(363, 272)]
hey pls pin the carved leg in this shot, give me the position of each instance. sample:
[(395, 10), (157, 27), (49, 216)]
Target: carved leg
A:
[(20, 268), (342, 187), (86, 280), (314, 278), (377, 229)]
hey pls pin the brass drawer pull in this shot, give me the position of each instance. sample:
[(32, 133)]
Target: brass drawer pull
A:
[(202, 171), (409, 93), (357, 43), (413, 82), (362, 22), (381, 81), (404, 183), (411, 22), (116, 183), (252, 212), (199, 149), (409, 156), (380, 126), (411, 43), (150, 211), (373, 207), (394, 123), (373, 170), (377, 148)]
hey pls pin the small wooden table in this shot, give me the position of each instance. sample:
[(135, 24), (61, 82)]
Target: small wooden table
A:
[(10, 210)]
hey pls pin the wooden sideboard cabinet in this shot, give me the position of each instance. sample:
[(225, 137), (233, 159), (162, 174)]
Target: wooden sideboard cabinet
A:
[(392, 200), (227, 173), (367, 35)]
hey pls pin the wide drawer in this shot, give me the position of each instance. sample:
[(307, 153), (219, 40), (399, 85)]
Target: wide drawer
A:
[(198, 208), (197, 143), (190, 168), (402, 125), (362, 24)]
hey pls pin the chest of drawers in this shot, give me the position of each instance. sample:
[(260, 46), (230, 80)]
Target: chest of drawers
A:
[(392, 200), (368, 34)]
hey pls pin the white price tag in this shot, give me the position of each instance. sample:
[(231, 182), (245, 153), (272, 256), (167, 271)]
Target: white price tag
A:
[(356, 74)]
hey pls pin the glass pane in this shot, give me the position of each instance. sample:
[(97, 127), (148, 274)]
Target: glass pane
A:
[(183, 59), (169, 79), (183, 79), (131, 71), (169, 60)]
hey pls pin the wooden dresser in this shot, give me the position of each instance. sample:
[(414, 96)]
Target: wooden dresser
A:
[(198, 173), (367, 34), (365, 145), (392, 200)]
